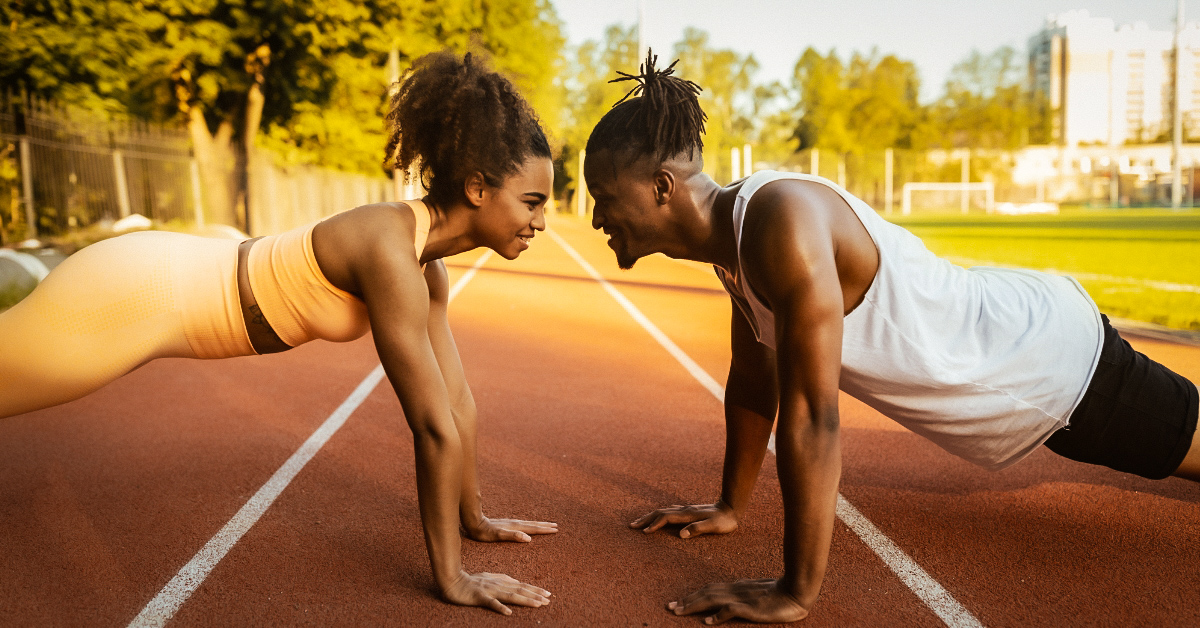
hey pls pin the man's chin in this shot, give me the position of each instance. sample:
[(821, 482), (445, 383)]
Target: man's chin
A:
[(625, 262)]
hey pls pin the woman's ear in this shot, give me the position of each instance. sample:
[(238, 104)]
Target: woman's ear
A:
[(473, 188)]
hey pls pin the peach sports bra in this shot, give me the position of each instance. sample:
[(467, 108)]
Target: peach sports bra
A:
[(295, 296)]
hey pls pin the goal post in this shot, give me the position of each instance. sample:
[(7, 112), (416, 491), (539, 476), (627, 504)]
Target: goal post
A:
[(963, 192)]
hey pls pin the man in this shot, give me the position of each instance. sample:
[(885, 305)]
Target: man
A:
[(988, 363)]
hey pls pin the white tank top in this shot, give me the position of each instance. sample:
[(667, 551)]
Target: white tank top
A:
[(985, 362)]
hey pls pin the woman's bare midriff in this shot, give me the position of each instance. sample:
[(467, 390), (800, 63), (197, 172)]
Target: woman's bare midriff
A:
[(262, 336)]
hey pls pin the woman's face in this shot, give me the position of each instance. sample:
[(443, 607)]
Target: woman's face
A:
[(509, 215)]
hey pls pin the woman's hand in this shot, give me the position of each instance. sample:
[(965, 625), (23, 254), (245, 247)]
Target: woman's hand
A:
[(755, 600), (493, 590), (715, 518), (492, 530)]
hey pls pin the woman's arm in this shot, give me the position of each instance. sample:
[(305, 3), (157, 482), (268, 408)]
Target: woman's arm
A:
[(385, 271), (462, 407)]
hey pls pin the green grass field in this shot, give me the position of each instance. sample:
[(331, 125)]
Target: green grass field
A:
[(1138, 264)]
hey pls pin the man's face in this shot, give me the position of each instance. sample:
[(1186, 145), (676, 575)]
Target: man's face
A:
[(625, 204)]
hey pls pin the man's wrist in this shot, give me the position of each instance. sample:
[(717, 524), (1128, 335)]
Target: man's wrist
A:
[(472, 519)]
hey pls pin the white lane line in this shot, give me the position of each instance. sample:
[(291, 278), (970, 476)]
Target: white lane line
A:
[(688, 363), (936, 597), (1165, 286), (163, 607), (910, 573)]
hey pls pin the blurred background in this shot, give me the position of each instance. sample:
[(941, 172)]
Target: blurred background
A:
[(1054, 134)]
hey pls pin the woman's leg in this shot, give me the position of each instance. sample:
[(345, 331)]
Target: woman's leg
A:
[(103, 312)]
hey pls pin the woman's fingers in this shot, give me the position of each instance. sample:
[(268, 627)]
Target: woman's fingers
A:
[(534, 527), (513, 535), (499, 607)]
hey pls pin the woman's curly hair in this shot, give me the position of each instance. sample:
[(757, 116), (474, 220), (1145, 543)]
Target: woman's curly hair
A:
[(660, 116), (454, 117)]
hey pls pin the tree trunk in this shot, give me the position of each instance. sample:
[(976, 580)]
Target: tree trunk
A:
[(254, 109), (218, 167)]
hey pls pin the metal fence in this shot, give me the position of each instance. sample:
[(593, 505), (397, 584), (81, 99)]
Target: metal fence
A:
[(285, 197), (62, 169), (73, 169)]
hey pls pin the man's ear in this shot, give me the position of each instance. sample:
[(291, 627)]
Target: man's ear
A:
[(473, 188), (664, 186)]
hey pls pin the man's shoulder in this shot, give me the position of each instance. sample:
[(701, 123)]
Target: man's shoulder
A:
[(788, 206)]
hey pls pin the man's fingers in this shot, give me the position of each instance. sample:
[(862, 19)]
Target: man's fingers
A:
[(730, 611), (644, 519), (704, 526), (499, 607)]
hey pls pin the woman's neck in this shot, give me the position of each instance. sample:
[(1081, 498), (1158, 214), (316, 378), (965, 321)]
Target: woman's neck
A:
[(450, 231)]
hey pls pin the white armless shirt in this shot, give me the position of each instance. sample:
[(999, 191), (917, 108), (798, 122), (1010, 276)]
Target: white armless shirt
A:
[(985, 362)]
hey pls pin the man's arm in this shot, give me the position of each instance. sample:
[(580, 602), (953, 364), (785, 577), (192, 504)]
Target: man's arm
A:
[(462, 407), (750, 401), (791, 263)]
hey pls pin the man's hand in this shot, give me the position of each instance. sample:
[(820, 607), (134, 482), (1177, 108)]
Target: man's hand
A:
[(492, 590), (754, 600), (491, 530), (715, 518)]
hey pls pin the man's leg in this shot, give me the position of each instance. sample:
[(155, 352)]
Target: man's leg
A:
[(1190, 467), (1137, 416)]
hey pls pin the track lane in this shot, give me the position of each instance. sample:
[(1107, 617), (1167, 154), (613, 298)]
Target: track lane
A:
[(585, 421)]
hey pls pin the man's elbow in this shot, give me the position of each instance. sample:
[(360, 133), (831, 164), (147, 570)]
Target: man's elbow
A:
[(818, 431)]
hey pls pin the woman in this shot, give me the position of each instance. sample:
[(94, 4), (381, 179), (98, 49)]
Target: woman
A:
[(125, 301), (988, 363)]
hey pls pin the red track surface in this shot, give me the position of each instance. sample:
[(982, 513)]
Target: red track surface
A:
[(585, 420)]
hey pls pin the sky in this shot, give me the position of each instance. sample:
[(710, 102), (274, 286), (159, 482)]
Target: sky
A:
[(934, 34)]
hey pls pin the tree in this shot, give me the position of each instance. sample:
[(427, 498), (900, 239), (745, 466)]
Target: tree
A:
[(588, 92), (309, 72), (727, 80)]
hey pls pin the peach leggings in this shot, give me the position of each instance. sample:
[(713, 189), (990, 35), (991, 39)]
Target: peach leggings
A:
[(114, 306)]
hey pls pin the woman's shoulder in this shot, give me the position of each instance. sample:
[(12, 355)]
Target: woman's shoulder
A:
[(384, 223)]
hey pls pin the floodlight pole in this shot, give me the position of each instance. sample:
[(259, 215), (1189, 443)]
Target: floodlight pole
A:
[(641, 30), (1177, 118)]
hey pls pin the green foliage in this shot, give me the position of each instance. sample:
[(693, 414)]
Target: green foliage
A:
[(727, 80), (868, 104), (587, 93), (320, 63)]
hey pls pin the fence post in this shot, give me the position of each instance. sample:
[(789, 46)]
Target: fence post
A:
[(814, 162), (197, 201), (27, 182), (581, 188), (747, 161), (122, 183), (887, 180), (966, 178)]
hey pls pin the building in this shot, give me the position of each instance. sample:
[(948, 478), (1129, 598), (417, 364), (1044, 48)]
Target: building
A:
[(1110, 85)]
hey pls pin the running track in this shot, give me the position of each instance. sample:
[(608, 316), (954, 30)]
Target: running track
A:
[(585, 419)]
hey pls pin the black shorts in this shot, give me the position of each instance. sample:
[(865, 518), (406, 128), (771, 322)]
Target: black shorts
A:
[(1137, 415)]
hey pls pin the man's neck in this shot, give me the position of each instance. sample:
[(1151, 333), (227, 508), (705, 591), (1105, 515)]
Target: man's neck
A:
[(705, 229)]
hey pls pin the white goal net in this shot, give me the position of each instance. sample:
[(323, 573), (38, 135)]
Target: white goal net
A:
[(948, 197)]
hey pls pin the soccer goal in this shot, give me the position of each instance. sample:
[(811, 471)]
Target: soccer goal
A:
[(947, 197)]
